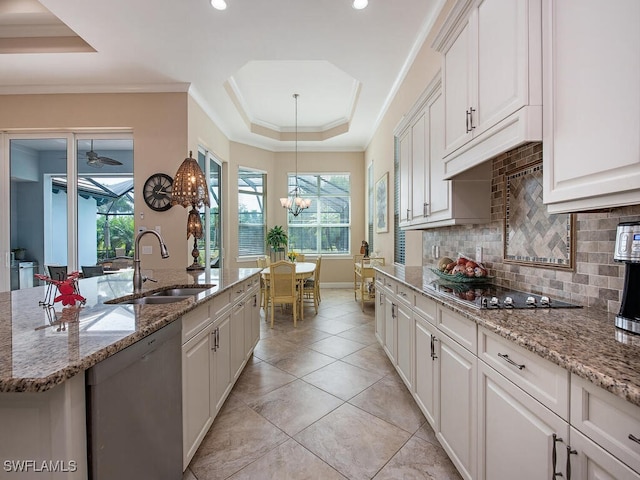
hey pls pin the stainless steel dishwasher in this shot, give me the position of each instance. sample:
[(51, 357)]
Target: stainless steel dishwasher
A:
[(135, 410)]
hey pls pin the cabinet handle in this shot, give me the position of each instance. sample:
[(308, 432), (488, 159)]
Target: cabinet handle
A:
[(634, 438), (467, 115), (408, 213), (214, 340), (393, 310), (471, 110), (255, 300), (217, 338), (425, 210), (554, 457), (433, 347), (508, 360), (381, 298), (570, 452)]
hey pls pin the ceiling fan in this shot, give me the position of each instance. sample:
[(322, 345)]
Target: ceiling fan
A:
[(96, 161)]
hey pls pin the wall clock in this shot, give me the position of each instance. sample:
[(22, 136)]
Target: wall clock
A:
[(157, 192)]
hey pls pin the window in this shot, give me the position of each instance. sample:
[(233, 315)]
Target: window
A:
[(251, 213), (325, 227), (398, 233)]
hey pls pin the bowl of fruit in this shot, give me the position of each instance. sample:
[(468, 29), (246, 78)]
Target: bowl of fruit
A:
[(462, 270)]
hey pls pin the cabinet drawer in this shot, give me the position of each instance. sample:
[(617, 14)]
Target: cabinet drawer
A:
[(607, 419), (543, 380), (194, 321), (426, 308), (405, 295), (462, 330), (220, 303)]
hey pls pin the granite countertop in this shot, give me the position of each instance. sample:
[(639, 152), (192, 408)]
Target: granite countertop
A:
[(40, 349), (584, 341)]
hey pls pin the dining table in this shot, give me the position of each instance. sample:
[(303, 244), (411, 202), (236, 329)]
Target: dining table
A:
[(304, 270)]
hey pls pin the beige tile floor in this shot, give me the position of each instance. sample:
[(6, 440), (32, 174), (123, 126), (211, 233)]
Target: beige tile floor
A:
[(321, 401)]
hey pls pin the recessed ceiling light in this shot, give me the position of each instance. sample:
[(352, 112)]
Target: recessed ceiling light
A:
[(360, 4), (219, 4)]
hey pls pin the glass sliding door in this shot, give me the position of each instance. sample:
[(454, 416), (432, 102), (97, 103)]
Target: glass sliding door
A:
[(38, 214), (211, 245), (60, 196), (105, 209)]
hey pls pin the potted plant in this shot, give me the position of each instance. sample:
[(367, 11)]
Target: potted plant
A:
[(277, 238)]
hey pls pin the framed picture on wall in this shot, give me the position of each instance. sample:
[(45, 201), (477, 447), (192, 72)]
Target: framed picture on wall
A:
[(382, 211)]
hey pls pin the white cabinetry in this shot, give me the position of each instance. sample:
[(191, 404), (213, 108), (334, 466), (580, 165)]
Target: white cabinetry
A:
[(591, 151), (405, 332), (427, 371), (427, 200), (214, 352), (491, 74), (589, 461), (458, 404), (197, 387), (518, 437), (380, 310)]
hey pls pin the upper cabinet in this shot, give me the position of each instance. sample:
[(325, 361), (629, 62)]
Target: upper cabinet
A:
[(591, 153), (492, 79), (427, 200)]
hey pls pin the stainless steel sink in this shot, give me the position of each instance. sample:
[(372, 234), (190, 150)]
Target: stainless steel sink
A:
[(179, 292), (155, 300)]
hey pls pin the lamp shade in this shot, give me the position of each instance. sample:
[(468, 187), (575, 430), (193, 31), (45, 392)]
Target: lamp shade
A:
[(189, 185), (194, 224)]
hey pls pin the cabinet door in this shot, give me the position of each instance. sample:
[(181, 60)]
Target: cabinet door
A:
[(590, 462), (457, 77), (197, 383), (390, 328), (591, 104), (380, 313), (419, 169), (405, 178), (404, 345), (503, 60), (223, 381), (237, 339), (515, 435), (251, 329), (439, 199), (458, 405), (426, 370)]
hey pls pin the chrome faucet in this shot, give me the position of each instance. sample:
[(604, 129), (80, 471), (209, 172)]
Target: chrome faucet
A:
[(138, 279)]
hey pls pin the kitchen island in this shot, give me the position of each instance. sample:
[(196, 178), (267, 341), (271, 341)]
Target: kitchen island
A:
[(532, 393), (43, 357)]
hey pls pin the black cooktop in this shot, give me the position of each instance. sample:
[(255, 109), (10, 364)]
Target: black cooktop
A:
[(489, 296)]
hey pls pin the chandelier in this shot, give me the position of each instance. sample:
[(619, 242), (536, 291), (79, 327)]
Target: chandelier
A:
[(294, 202)]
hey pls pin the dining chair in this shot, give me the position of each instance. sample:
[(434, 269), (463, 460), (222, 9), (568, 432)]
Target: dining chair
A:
[(57, 272), (282, 287), (92, 271), (311, 286)]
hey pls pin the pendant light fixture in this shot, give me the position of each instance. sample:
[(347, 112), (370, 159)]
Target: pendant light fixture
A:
[(294, 202)]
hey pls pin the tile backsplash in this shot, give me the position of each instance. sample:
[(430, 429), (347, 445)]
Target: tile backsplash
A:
[(596, 281)]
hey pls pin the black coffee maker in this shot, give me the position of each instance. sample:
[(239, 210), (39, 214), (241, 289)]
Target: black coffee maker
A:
[(628, 251)]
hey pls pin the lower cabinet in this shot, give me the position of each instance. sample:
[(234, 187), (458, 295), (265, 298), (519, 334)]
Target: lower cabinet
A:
[(590, 461), (458, 405), (389, 344), (380, 311), (518, 437), (404, 344), (501, 412), (197, 386), (427, 371), (218, 338)]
